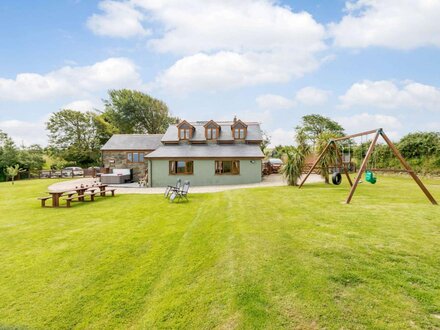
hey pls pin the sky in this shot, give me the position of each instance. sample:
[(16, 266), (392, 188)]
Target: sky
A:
[(363, 63)]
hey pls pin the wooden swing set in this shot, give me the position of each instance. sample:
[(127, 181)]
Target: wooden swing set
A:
[(377, 132)]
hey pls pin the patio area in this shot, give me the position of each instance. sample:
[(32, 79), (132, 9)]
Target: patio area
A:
[(272, 180)]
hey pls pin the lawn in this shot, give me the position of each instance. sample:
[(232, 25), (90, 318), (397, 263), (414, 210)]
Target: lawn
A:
[(245, 259)]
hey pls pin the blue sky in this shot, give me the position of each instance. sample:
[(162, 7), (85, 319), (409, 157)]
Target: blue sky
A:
[(365, 63)]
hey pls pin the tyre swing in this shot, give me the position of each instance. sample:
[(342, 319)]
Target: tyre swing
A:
[(337, 178)]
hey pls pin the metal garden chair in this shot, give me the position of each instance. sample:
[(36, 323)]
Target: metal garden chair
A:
[(181, 193), (170, 189)]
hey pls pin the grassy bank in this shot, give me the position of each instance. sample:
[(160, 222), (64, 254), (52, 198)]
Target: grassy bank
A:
[(258, 258)]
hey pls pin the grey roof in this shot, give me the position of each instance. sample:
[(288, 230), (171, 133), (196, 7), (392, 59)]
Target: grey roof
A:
[(133, 142), (253, 132), (239, 151)]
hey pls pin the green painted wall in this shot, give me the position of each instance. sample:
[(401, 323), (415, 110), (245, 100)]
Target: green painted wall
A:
[(250, 172)]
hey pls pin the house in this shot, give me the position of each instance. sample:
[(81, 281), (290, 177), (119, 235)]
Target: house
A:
[(128, 151), (207, 153), (203, 152)]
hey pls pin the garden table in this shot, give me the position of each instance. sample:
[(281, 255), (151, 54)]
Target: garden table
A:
[(102, 188), (56, 197)]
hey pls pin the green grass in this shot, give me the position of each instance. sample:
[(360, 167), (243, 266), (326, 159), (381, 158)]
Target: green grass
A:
[(259, 258)]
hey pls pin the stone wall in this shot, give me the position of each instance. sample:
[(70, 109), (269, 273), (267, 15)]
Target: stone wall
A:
[(118, 159)]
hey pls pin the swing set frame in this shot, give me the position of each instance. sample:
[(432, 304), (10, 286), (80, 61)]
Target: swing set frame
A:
[(377, 132)]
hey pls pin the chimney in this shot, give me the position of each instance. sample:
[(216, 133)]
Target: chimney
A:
[(235, 119)]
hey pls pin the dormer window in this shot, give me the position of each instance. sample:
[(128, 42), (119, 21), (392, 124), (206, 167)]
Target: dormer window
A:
[(239, 133), (185, 133), (239, 130), (211, 134), (185, 130), (212, 130)]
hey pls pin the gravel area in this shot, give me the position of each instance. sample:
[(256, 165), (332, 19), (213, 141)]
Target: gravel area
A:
[(273, 180)]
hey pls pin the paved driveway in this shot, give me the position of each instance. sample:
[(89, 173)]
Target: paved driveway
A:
[(272, 180)]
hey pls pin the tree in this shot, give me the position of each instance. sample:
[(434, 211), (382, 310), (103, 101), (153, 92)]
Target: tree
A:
[(129, 111), (8, 151), (420, 144), (74, 136), (295, 158), (314, 125), (302, 143), (31, 158), (13, 171), (330, 156), (265, 142), (292, 169), (279, 151)]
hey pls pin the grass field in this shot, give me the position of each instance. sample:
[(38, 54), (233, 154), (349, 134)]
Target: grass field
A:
[(245, 259)]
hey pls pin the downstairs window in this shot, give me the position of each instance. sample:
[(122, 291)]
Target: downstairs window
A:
[(181, 167), (135, 157), (227, 167)]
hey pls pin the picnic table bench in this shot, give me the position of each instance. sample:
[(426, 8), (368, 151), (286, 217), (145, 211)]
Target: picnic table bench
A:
[(77, 193)]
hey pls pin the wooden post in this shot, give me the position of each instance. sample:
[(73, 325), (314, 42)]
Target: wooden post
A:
[(314, 165), (342, 164), (363, 166), (408, 168)]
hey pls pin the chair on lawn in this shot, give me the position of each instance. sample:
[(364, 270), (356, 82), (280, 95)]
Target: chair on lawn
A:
[(181, 193), (170, 189)]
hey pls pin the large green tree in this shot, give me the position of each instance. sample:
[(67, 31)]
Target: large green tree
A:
[(8, 151), (74, 136), (314, 125), (420, 144), (31, 158), (128, 111)]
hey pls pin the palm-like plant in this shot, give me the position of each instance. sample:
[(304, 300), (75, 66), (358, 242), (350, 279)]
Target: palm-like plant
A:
[(302, 142), (294, 158), (292, 169), (12, 171), (329, 158)]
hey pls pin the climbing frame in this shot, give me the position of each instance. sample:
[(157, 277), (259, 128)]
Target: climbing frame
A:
[(378, 132)]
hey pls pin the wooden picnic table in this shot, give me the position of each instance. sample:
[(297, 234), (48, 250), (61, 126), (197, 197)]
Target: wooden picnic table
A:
[(56, 197), (102, 187), (80, 190), (57, 194)]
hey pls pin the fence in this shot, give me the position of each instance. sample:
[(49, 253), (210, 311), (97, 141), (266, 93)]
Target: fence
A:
[(53, 174)]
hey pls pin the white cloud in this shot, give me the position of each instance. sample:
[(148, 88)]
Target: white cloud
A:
[(365, 121), (312, 96), (240, 26), (71, 81), (119, 19), (399, 24), (281, 136), (230, 44), (229, 70), (308, 96), (81, 105), (25, 132), (389, 95), (274, 102)]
